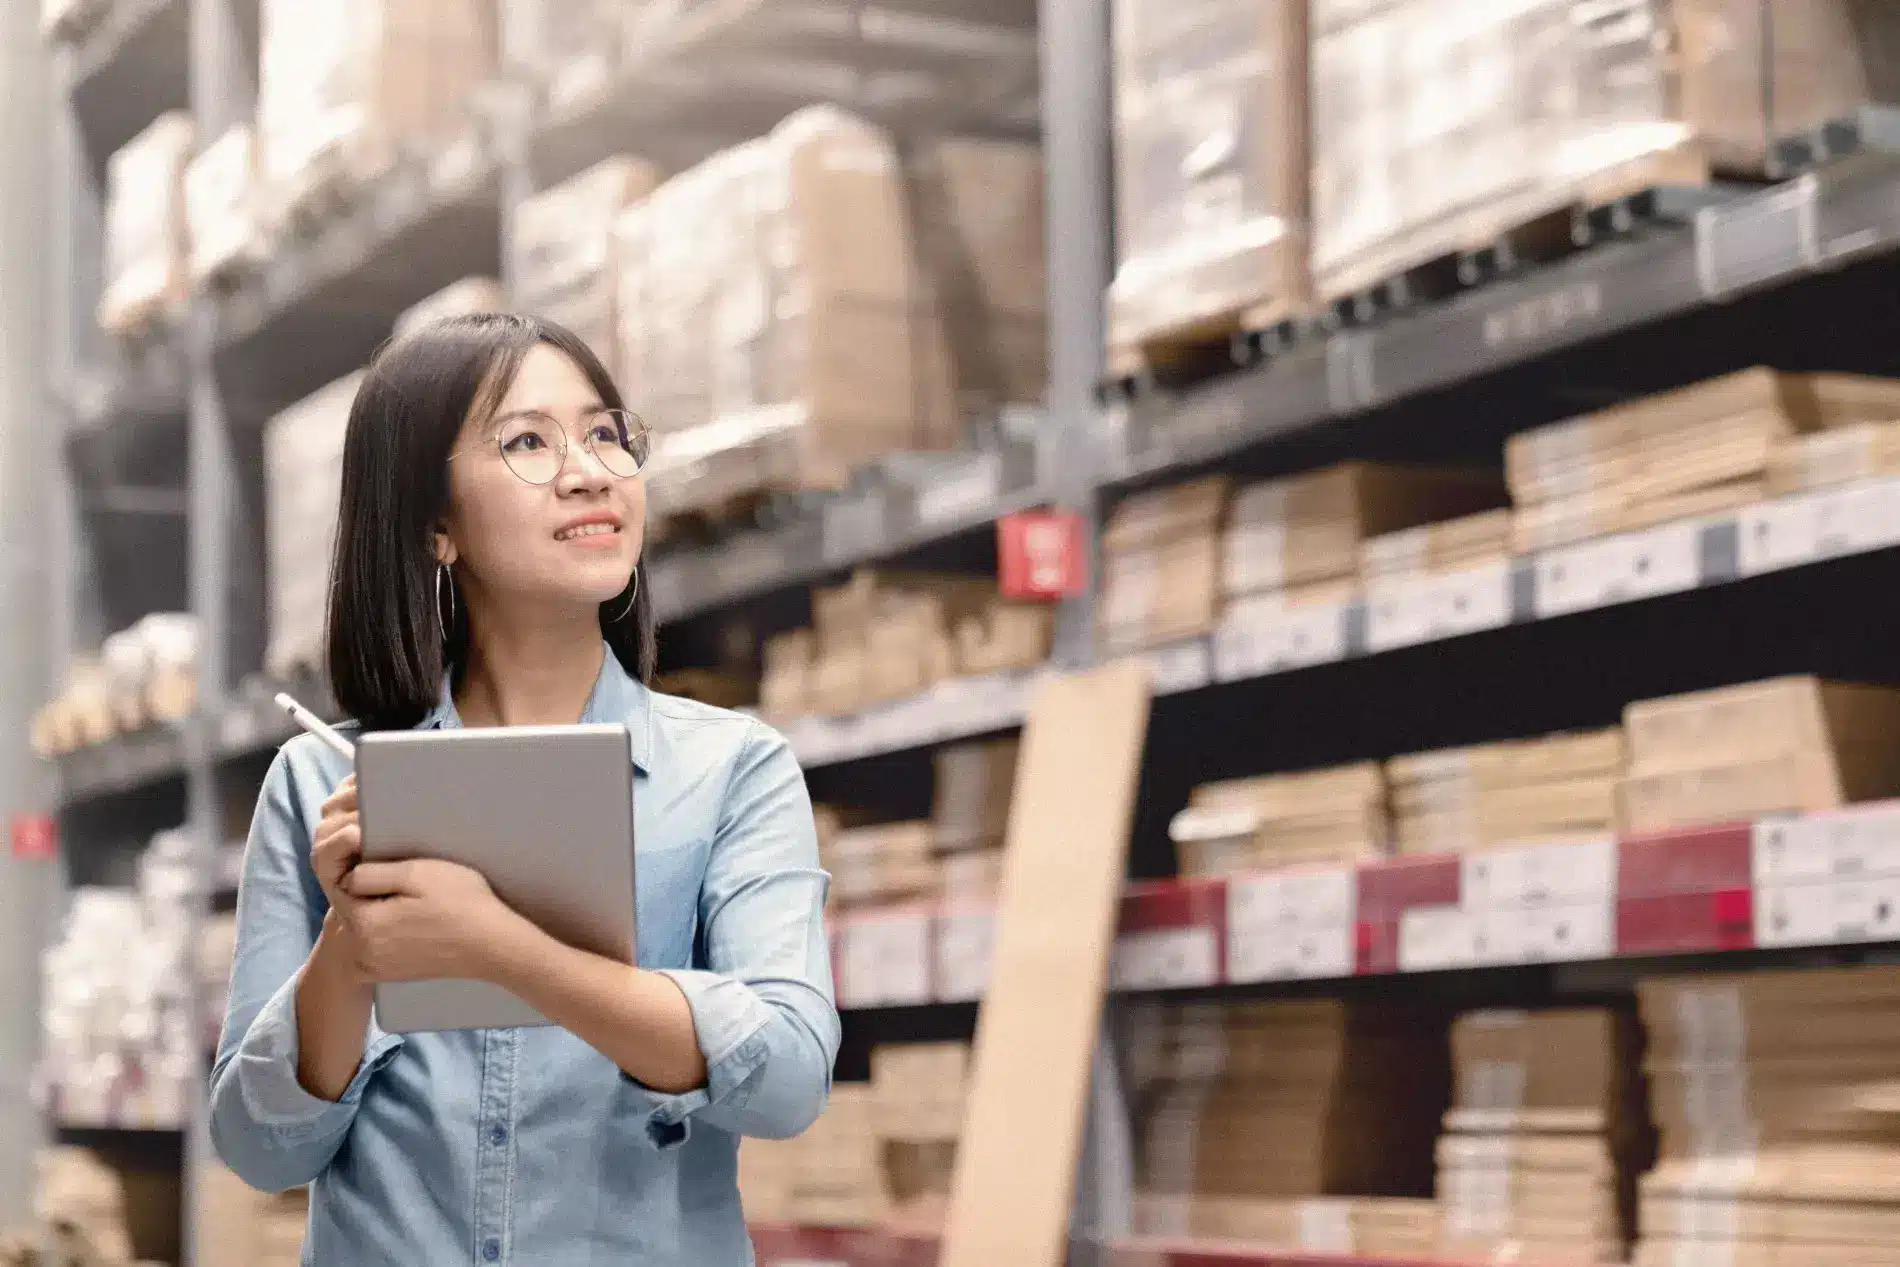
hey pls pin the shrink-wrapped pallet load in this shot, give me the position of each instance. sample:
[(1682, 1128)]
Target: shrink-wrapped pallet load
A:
[(146, 227), (221, 206), (1211, 162), (776, 326), (347, 86), (560, 251), (303, 486)]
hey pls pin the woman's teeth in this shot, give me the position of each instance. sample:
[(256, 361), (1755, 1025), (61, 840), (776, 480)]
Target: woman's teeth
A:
[(585, 530)]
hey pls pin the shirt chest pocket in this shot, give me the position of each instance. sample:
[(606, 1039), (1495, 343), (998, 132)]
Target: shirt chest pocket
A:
[(667, 877)]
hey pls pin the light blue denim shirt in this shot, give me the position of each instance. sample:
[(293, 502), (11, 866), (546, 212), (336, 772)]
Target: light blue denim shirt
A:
[(527, 1146)]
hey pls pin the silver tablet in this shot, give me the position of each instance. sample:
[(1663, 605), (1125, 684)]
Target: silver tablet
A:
[(544, 812)]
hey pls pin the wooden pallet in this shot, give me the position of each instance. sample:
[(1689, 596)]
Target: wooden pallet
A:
[(1236, 337), (1495, 240)]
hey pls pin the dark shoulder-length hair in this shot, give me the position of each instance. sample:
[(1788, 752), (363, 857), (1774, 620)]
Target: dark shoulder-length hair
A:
[(391, 636)]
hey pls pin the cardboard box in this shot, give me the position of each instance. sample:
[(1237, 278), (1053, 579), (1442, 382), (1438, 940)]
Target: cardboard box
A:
[(1306, 528), (980, 229), (882, 863), (1742, 752), (1450, 545), (147, 226), (777, 325), (560, 249), (1826, 459), (1418, 158), (785, 683), (1328, 816), (345, 87), (1210, 168), (971, 794), (303, 486), (221, 206), (1161, 565), (1557, 786), (1005, 636)]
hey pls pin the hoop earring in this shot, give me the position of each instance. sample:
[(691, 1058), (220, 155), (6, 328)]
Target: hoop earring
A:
[(441, 625), (628, 609)]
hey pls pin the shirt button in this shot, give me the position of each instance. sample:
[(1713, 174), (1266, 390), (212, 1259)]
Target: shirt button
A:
[(492, 1250), (498, 1135)]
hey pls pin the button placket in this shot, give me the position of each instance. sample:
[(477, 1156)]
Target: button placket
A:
[(494, 1161)]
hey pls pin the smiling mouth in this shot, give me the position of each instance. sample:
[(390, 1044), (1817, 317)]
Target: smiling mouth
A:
[(587, 530)]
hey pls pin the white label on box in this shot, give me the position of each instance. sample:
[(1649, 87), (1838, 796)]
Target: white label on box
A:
[(965, 942), (1794, 531), (1326, 1225), (1775, 535), (1859, 841), (1182, 666), (886, 961), (1411, 610), (1165, 959), (1569, 933), (1259, 638), (1784, 849), (1500, 936), (1292, 924), (1542, 874), (1618, 569), (1435, 937)]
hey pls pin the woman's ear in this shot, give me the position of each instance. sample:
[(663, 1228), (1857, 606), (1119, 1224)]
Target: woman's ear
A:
[(445, 551)]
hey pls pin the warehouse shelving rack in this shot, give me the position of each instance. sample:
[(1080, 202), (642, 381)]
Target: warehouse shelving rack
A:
[(1702, 269)]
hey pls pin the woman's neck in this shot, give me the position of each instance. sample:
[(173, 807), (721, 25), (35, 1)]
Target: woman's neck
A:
[(529, 674)]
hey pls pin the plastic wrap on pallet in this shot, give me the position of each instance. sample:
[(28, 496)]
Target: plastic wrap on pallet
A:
[(303, 484), (220, 201), (980, 229), (561, 248), (1440, 126), (776, 328), (1211, 161), (69, 19), (146, 226), (347, 86)]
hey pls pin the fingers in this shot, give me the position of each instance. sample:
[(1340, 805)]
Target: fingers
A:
[(343, 800), (380, 879)]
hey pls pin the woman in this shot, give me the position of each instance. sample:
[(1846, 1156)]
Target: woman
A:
[(487, 574)]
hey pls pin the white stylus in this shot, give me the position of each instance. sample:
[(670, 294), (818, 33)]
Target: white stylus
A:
[(316, 726)]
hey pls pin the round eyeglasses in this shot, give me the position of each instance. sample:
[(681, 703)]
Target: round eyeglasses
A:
[(535, 446)]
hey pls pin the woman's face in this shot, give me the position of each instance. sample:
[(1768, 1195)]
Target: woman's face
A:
[(571, 540)]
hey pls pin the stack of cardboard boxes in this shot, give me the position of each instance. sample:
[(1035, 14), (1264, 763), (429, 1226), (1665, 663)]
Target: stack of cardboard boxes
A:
[(1503, 793), (1210, 140), (1334, 816), (886, 636), (90, 1213), (1436, 549), (779, 328), (1743, 752), (970, 817), (877, 864), (1161, 565), (1774, 1095), (1249, 1115), (1503, 115), (147, 243), (882, 1153), (1542, 1146), (1695, 451), (345, 88), (303, 488), (560, 250), (147, 673), (221, 206)]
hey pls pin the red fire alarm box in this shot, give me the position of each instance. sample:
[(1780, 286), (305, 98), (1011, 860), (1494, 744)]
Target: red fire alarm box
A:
[(1042, 555)]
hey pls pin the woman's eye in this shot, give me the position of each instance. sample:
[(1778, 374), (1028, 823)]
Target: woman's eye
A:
[(605, 434), (526, 442)]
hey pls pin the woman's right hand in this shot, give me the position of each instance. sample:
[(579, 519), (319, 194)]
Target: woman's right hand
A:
[(339, 842)]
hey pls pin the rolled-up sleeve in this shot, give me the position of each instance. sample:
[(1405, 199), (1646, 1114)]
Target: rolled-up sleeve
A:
[(761, 996), (265, 1126)]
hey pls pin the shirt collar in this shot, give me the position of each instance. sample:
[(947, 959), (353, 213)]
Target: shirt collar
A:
[(616, 697)]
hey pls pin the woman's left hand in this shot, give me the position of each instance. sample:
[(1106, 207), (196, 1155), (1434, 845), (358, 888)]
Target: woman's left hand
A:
[(424, 920)]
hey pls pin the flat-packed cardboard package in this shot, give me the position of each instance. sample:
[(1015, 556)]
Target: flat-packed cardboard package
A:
[(1334, 816), (1304, 528), (785, 683), (1742, 752), (919, 1090), (1161, 568), (882, 863), (1434, 549), (1827, 459), (1499, 115), (1210, 169), (147, 274), (971, 793), (221, 206), (839, 1179), (1004, 636), (303, 488), (1518, 791), (346, 87), (560, 249), (777, 327), (979, 209)]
